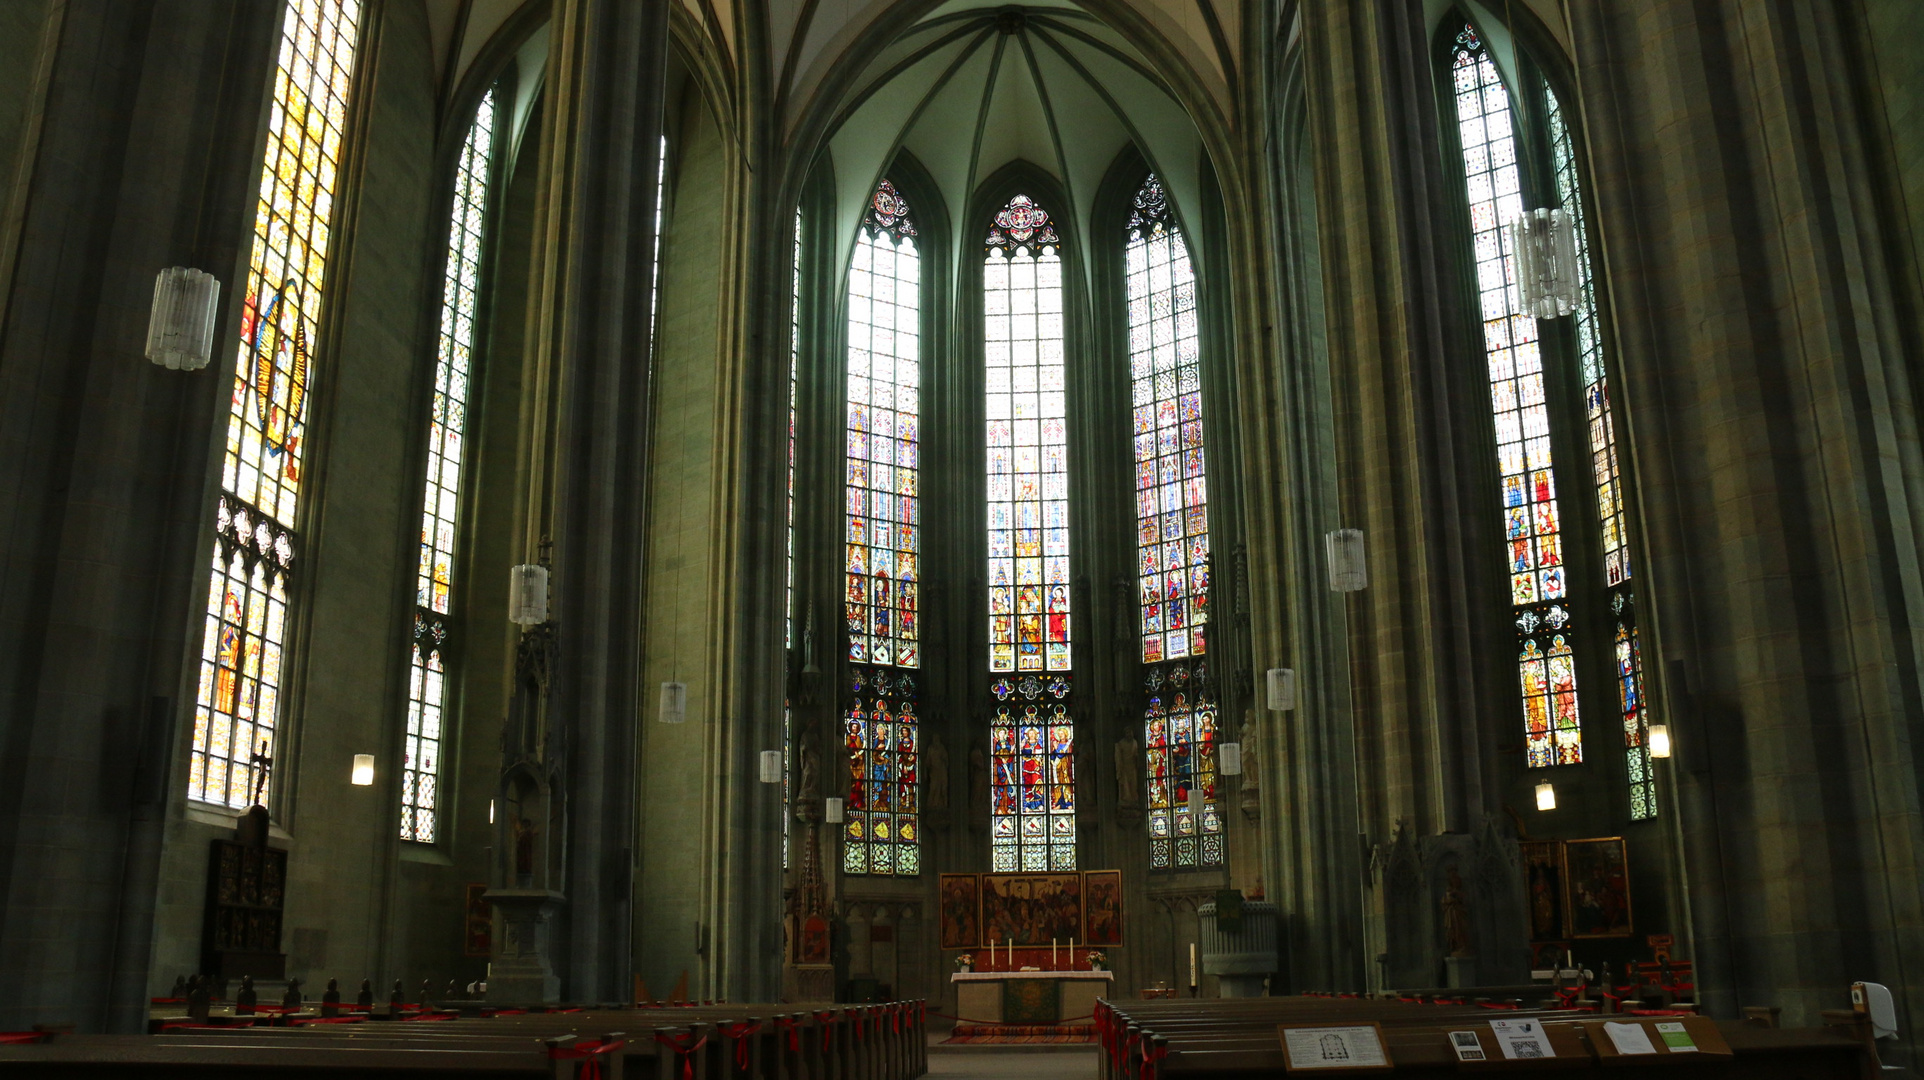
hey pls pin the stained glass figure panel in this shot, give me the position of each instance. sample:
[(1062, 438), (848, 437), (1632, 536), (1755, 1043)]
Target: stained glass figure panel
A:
[(1532, 521), (1179, 742), (1027, 442), (883, 539), (441, 502), (1172, 530), (881, 736), (1032, 776), (237, 707)]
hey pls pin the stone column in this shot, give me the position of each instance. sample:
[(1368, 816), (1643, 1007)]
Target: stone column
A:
[(587, 419), (1760, 264), (137, 148)]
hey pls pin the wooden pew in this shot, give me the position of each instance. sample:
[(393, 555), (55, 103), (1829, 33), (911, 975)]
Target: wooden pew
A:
[(1238, 1039)]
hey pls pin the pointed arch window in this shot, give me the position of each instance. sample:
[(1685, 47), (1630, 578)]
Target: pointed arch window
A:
[(1532, 515), (1632, 707), (441, 503), (1172, 537), (883, 541), (237, 705), (1031, 737)]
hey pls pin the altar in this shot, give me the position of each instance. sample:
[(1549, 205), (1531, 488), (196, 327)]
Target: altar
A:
[(1029, 997)]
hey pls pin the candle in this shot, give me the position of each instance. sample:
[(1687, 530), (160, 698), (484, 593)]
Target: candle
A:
[(1192, 965), (1072, 953), (1055, 963)]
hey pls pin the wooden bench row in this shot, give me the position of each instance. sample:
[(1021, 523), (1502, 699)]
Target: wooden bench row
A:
[(764, 1042), (1239, 1039)]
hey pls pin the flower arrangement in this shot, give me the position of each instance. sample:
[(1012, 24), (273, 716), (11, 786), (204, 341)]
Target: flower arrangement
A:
[(965, 962), (1098, 960)]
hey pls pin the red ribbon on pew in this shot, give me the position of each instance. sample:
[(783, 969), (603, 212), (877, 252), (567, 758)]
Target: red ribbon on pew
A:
[(504, 1012), (684, 1046), (791, 1025), (895, 1019), (1495, 1005), (13, 1037), (589, 1054), (739, 1033), (433, 1016), (1151, 1054), (828, 1024)]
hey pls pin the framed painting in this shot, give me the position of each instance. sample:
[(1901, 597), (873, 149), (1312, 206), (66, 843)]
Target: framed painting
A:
[(1102, 907), (1031, 909), (1596, 877), (961, 897), (477, 936), (1543, 883)]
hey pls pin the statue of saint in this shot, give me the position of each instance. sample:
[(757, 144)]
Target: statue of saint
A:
[(935, 773), (1456, 916), (524, 831), (811, 784), (1128, 773)]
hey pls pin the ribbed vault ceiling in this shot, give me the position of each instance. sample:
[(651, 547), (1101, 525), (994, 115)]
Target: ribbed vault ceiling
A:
[(972, 87)]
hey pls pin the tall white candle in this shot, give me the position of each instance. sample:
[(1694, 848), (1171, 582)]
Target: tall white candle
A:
[(1192, 965), (1055, 961)]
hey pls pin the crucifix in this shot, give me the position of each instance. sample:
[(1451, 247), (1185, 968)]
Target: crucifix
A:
[(259, 763)]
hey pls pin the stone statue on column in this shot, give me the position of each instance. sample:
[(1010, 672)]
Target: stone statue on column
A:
[(1128, 779)]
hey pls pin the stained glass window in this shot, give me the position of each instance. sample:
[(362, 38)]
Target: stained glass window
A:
[(1031, 736), (1632, 707), (440, 513), (1027, 442), (1172, 535), (884, 391), (237, 708), (883, 539), (1032, 775), (1533, 530), (880, 735)]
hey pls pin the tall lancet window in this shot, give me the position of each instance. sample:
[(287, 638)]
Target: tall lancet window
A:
[(1031, 738), (441, 505), (237, 707), (1632, 708), (883, 540), (1172, 538), (1532, 522)]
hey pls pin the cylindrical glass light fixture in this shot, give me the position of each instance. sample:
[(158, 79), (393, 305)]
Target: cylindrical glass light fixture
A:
[(771, 766), (1660, 740), (528, 595), (674, 702), (180, 329), (1282, 689), (1348, 571), (363, 773), (1546, 795), (1229, 759), (832, 811)]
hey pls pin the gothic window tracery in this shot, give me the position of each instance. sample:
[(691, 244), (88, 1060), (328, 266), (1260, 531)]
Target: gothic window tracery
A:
[(882, 543), (441, 502), (1172, 538), (1031, 734), (1532, 516), (237, 707)]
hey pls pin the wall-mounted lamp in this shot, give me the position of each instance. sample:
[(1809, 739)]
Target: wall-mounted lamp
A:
[(1660, 740), (771, 766), (1347, 570), (363, 774), (674, 702), (180, 328), (1229, 759), (1546, 796), (1282, 689), (832, 811), (528, 595), (1196, 805)]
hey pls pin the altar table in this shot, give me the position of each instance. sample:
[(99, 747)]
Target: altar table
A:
[(1029, 997)]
